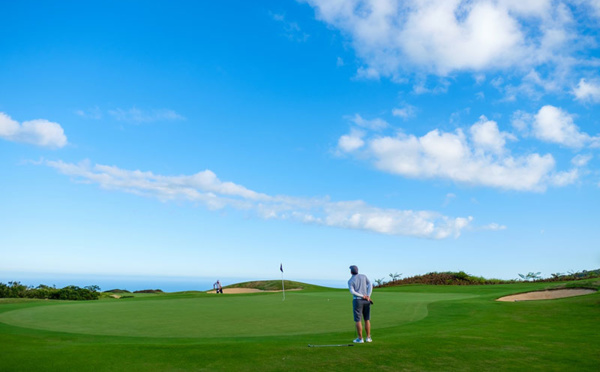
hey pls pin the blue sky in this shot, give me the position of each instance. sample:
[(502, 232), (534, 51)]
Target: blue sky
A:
[(219, 139)]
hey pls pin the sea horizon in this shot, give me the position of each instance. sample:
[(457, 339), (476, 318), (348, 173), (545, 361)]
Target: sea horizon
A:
[(141, 282)]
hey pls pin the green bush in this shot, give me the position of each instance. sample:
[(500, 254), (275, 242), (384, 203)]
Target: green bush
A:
[(71, 292)]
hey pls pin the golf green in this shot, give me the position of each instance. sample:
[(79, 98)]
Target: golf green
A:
[(224, 316)]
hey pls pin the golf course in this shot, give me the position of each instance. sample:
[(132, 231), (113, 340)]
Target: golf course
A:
[(414, 327)]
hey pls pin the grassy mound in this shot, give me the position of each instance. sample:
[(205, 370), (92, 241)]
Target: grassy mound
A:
[(273, 285), (462, 278), (446, 278), (149, 291), (117, 291)]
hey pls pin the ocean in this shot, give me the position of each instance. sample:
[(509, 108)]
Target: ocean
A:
[(136, 283)]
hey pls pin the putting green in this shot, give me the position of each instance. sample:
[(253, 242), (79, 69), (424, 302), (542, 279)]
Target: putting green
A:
[(224, 316)]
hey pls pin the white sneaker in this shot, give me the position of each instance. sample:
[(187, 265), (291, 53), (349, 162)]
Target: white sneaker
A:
[(369, 339), (358, 341)]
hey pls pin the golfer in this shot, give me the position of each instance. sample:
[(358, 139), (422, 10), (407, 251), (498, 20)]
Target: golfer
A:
[(360, 286), (217, 286)]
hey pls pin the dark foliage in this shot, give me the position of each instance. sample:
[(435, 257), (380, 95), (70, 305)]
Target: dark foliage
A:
[(71, 292), (149, 291), (462, 278), (117, 291), (445, 278), (585, 274)]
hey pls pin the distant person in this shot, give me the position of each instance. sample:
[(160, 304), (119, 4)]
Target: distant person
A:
[(361, 287), (217, 287)]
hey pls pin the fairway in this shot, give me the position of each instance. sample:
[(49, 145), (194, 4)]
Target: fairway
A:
[(227, 316)]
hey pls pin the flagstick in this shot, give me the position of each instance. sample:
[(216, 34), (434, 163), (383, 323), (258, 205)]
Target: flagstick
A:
[(282, 286)]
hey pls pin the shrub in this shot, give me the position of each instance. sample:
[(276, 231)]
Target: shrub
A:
[(18, 290)]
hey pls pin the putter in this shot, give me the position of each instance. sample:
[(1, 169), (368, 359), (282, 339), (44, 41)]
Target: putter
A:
[(337, 345)]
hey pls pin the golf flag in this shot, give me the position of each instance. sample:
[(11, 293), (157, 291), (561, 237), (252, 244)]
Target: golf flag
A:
[(281, 267)]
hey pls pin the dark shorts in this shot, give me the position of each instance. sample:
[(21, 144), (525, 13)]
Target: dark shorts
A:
[(362, 309)]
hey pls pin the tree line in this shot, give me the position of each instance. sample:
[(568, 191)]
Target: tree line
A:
[(70, 292)]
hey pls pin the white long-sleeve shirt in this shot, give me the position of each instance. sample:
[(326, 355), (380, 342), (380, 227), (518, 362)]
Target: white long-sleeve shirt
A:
[(359, 285)]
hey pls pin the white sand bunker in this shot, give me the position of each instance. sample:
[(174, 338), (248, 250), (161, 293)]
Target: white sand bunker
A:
[(248, 290), (238, 290), (547, 295)]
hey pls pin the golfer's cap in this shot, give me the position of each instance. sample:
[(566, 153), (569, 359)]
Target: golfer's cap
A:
[(354, 269)]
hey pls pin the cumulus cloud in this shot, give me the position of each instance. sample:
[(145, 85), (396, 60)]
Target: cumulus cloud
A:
[(552, 124), (39, 132), (587, 91), (351, 142), (206, 188), (443, 36), (487, 137), (136, 115), (476, 157)]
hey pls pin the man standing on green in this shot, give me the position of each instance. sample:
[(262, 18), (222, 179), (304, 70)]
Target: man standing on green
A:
[(361, 287)]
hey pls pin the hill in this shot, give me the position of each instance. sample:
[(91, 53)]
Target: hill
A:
[(462, 278), (274, 285)]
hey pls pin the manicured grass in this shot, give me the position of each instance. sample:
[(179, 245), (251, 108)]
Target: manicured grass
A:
[(430, 328)]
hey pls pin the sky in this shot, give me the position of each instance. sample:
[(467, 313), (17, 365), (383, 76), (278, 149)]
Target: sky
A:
[(221, 139)]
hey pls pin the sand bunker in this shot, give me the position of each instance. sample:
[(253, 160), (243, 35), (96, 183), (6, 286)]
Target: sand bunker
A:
[(248, 290), (238, 290), (547, 295)]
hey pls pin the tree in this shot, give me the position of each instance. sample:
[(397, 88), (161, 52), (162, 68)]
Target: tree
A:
[(531, 276), (380, 282), (395, 276), (93, 288)]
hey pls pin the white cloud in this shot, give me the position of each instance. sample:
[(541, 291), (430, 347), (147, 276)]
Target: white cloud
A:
[(144, 116), (358, 215), (373, 124), (367, 73), (565, 178), (521, 121), (439, 37), (480, 159), (404, 112), (206, 188), (449, 197), (351, 142), (439, 87), (581, 160), (487, 137), (593, 4), (493, 227), (39, 132), (587, 91), (551, 124)]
